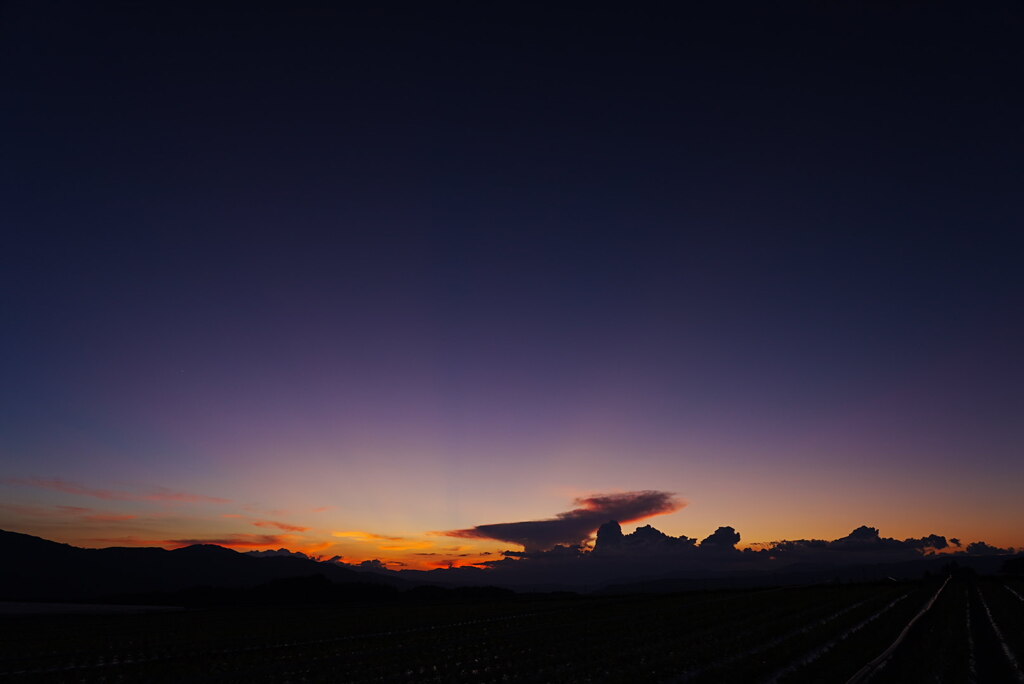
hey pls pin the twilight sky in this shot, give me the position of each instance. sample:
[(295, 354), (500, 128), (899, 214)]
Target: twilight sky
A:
[(337, 279)]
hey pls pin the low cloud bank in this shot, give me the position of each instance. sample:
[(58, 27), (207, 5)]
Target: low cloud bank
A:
[(648, 553), (558, 544), (864, 544)]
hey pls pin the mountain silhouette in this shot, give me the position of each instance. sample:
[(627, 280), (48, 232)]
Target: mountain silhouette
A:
[(36, 569), (646, 560)]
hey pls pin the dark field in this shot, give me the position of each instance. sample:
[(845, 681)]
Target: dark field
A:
[(973, 632)]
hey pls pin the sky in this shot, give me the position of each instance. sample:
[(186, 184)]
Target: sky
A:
[(344, 280)]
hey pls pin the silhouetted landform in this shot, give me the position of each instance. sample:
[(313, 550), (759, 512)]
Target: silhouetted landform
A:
[(644, 561), (35, 569)]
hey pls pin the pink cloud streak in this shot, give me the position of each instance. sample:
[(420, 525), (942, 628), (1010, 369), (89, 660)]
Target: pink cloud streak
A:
[(154, 494)]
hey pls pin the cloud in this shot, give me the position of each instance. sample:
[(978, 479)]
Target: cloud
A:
[(240, 541), (932, 541), (980, 548), (128, 541), (644, 540), (375, 564), (277, 552), (384, 542), (162, 494), (648, 552), (80, 512), (724, 538), (572, 527), (280, 525), (359, 535), (76, 510), (152, 494), (863, 544), (406, 545)]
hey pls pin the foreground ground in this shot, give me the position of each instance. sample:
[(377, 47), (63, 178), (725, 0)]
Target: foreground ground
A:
[(972, 631)]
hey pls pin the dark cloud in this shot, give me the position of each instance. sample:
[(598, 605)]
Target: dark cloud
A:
[(235, 541), (649, 555), (279, 552), (980, 548), (375, 564), (864, 544), (644, 540), (724, 539), (932, 541), (868, 538), (554, 550), (573, 527)]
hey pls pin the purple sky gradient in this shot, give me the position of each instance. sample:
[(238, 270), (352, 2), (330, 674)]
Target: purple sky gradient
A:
[(434, 273)]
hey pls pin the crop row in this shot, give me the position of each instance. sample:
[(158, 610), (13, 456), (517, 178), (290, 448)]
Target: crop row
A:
[(810, 634), (973, 633)]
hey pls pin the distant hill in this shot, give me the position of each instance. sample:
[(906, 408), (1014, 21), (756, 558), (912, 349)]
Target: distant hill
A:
[(36, 569)]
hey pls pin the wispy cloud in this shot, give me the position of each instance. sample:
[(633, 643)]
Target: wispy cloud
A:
[(77, 512), (359, 535), (151, 494), (384, 542), (238, 541), (280, 525), (125, 541), (406, 545), (93, 515)]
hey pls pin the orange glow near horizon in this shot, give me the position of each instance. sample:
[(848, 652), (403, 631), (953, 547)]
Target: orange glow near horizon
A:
[(183, 519), (415, 554)]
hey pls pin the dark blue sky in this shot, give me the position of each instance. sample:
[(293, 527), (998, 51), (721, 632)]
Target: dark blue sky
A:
[(511, 236)]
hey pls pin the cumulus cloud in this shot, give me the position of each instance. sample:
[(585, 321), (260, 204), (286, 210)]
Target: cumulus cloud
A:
[(864, 544), (277, 552), (980, 548), (573, 527), (932, 541), (723, 538), (643, 541), (648, 552)]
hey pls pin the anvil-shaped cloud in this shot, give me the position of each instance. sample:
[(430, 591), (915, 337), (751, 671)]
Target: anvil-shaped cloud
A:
[(572, 527)]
